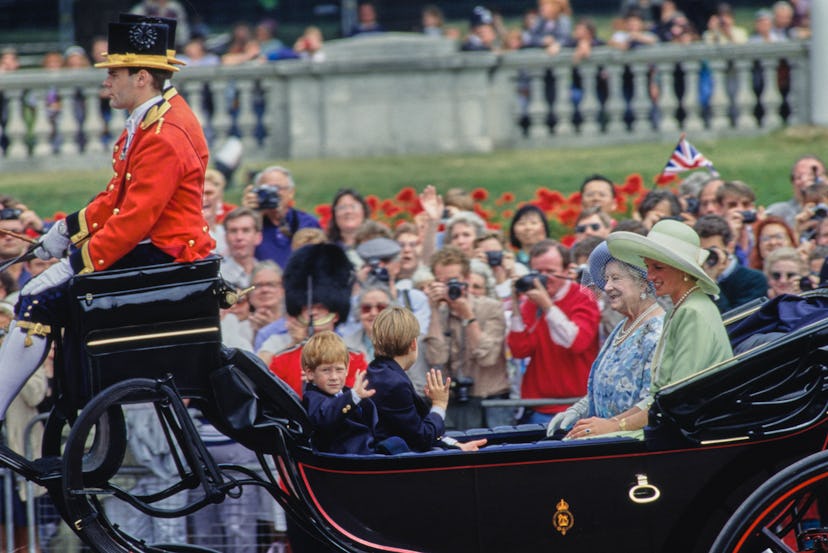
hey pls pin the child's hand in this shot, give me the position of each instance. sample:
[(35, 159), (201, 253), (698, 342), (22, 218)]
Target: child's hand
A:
[(436, 389), (361, 386), (473, 445)]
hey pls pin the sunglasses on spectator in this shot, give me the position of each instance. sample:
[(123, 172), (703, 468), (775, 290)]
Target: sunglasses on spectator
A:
[(583, 228), (8, 213), (366, 308), (777, 275)]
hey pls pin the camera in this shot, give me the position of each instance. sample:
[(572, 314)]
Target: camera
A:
[(527, 281), (819, 211), (267, 196), (712, 259), (455, 288), (805, 283), (378, 273), (748, 216), (461, 389), (494, 258), (692, 204)]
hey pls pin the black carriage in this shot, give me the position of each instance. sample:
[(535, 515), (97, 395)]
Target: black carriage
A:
[(730, 461)]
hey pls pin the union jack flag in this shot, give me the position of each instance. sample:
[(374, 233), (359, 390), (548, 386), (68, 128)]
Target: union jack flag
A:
[(685, 157)]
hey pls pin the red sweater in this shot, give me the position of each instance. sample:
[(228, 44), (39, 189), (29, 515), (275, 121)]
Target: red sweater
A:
[(288, 366), (556, 371)]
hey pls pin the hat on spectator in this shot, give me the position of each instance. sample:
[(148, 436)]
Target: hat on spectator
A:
[(378, 248), (171, 24), (318, 274), (597, 263), (481, 16), (670, 242), (138, 45)]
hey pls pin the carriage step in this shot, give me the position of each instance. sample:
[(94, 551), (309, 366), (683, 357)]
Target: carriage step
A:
[(91, 491)]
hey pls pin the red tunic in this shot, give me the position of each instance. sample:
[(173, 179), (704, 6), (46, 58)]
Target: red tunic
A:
[(555, 371), (155, 193), (287, 365)]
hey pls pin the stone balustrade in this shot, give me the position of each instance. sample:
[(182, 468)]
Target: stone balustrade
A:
[(398, 94)]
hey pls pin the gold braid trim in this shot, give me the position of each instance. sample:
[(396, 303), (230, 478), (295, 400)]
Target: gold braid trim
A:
[(83, 229), (33, 329), (88, 266), (154, 114)]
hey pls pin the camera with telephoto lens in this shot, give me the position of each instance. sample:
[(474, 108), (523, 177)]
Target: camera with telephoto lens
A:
[(527, 281), (494, 258), (712, 259), (819, 211), (455, 289), (377, 272), (461, 389), (267, 196)]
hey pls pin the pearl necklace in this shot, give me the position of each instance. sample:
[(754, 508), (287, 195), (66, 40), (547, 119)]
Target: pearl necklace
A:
[(624, 334), (682, 298)]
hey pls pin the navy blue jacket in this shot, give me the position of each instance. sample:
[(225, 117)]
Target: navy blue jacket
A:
[(741, 286), (401, 411), (340, 425)]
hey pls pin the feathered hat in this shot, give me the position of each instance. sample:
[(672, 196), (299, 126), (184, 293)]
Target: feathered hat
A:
[(330, 275)]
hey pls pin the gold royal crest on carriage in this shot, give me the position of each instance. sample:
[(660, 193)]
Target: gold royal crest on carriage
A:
[(563, 519)]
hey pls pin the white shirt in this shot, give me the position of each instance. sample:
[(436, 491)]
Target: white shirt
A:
[(135, 119)]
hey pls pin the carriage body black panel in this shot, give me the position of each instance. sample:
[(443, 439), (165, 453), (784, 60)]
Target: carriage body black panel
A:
[(146, 322), (506, 497)]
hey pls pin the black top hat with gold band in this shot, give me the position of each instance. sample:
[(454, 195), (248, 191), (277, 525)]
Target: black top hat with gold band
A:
[(138, 45), (170, 22)]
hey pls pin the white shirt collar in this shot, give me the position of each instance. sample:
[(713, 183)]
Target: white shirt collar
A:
[(137, 116)]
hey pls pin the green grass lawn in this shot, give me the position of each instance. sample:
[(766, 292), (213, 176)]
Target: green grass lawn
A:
[(763, 162)]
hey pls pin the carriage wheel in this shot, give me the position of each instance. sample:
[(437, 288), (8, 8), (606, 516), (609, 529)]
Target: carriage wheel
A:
[(83, 509), (786, 514), (102, 458)]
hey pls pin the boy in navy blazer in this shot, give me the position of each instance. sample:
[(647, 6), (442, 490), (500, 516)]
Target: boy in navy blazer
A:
[(401, 411), (343, 418)]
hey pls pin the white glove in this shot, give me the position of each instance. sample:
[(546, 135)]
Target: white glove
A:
[(567, 419), (54, 242), (55, 275)]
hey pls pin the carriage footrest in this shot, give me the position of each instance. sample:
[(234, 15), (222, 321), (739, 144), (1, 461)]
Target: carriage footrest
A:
[(92, 491)]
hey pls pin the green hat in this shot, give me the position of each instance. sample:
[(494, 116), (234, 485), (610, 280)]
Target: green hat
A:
[(670, 242)]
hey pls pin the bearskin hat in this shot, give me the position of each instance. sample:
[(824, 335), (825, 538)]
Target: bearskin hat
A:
[(331, 277)]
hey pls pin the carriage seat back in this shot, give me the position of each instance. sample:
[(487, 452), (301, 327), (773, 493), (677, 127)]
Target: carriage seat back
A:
[(146, 322)]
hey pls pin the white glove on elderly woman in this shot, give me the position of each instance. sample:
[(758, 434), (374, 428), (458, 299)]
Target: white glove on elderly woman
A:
[(54, 242), (567, 419), (55, 275)]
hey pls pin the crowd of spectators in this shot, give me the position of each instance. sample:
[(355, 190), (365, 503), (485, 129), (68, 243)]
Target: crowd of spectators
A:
[(551, 25), (458, 276)]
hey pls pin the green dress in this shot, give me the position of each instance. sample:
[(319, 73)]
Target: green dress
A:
[(693, 339)]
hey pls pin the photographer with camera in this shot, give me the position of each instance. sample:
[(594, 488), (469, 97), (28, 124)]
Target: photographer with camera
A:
[(738, 284), (489, 249), (273, 194), (736, 202), (466, 339), (806, 171), (556, 325)]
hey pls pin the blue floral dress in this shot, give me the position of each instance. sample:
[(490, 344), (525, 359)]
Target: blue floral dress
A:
[(620, 375)]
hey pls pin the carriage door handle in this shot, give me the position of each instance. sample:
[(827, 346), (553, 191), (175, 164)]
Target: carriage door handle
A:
[(643, 492)]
